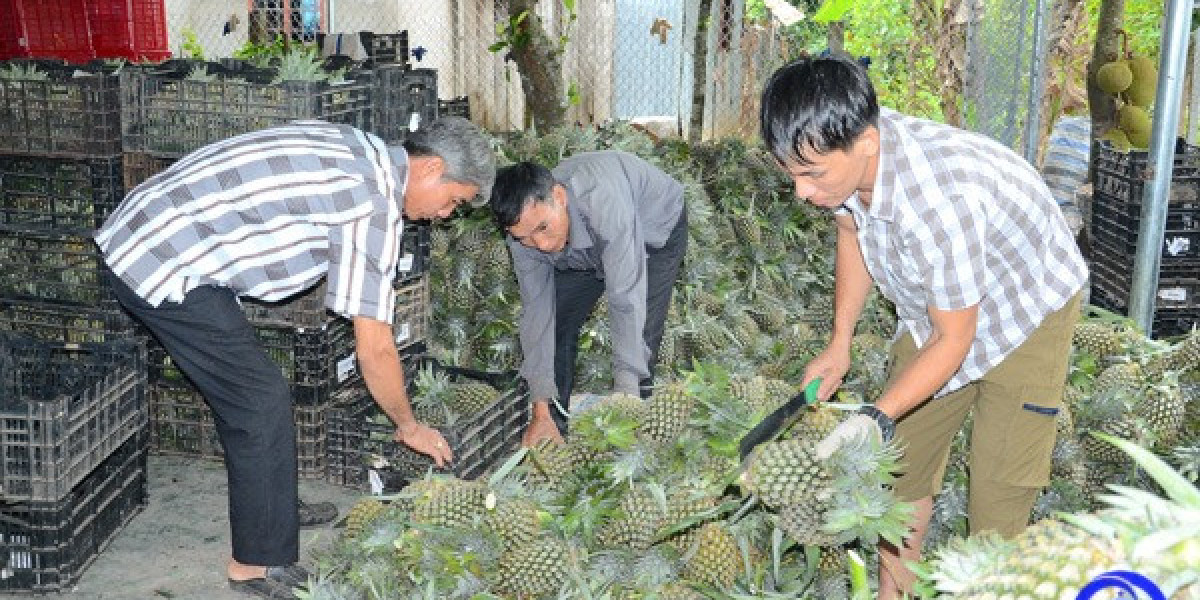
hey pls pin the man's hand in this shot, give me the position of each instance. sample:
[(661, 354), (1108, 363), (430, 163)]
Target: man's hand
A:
[(427, 441), (855, 427), (541, 428), (831, 365)]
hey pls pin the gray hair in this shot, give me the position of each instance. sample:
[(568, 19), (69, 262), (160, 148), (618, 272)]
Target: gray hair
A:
[(464, 147)]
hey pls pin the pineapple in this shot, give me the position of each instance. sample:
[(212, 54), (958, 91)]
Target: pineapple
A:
[(1127, 428), (517, 521), (449, 502), (667, 413), (786, 473), (1185, 356), (1118, 378), (750, 390), (361, 515), (815, 423), (1099, 339), (716, 560), (635, 522), (535, 569), (471, 397), (1162, 408), (555, 465), (804, 522)]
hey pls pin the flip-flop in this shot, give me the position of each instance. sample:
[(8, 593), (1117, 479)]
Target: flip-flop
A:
[(277, 583), (315, 514)]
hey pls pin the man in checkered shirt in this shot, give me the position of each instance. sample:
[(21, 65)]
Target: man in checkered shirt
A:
[(267, 215), (965, 239)]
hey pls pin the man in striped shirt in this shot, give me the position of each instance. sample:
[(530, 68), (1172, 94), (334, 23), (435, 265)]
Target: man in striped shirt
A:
[(266, 215), (965, 239)]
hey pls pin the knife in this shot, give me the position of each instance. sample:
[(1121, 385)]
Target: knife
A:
[(770, 427)]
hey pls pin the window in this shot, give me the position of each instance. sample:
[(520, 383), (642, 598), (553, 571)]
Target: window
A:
[(299, 20)]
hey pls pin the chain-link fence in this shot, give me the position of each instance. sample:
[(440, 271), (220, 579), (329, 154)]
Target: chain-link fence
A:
[(623, 59)]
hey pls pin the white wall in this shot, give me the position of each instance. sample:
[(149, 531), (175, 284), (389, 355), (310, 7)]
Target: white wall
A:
[(207, 18)]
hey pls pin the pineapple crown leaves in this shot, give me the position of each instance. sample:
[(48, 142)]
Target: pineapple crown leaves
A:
[(1187, 460), (962, 561), (1177, 488), (868, 515)]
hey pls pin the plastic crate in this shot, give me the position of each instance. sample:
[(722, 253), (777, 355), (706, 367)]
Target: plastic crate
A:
[(65, 408), (1178, 289), (404, 100), (58, 194), (132, 29), (138, 167), (64, 323), (457, 107), (55, 267), (307, 309), (181, 423), (359, 434), (48, 545), (75, 112), (1121, 176), (381, 48), (168, 114), (314, 361), (43, 29)]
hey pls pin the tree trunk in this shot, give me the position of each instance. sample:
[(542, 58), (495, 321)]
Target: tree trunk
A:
[(1104, 105), (540, 65), (836, 38), (699, 71)]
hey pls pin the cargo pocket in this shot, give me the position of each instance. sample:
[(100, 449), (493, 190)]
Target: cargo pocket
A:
[(1024, 458)]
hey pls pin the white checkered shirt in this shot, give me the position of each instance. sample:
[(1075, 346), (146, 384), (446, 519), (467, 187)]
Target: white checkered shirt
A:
[(955, 220)]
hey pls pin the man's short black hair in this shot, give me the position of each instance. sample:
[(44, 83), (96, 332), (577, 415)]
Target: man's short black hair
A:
[(516, 186), (816, 105)]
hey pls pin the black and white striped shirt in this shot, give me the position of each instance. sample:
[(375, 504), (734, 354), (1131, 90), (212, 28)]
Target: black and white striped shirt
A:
[(268, 214), (956, 220)]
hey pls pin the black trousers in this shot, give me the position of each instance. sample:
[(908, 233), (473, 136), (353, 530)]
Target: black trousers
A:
[(210, 340), (576, 294)]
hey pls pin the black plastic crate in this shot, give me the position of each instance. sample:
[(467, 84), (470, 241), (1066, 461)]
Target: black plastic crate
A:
[(315, 361), (181, 423), (168, 112), (44, 266), (456, 107), (1122, 175), (48, 545), (65, 323), (1176, 289), (74, 112), (65, 408), (138, 167), (361, 438), (307, 309), (1117, 222), (381, 48), (404, 99), (58, 194)]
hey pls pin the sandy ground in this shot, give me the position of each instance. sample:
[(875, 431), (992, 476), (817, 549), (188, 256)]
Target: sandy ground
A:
[(177, 546)]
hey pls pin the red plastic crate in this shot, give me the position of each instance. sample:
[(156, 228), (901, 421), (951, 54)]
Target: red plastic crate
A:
[(132, 29), (43, 29)]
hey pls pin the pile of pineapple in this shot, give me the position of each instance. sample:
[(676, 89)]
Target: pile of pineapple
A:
[(647, 499), (755, 292)]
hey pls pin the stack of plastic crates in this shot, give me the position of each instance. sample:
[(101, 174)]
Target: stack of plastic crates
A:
[(314, 348), (73, 448), (404, 100), (363, 453), (1115, 227)]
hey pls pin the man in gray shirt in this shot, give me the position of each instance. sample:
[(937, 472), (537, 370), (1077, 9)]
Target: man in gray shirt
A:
[(601, 222)]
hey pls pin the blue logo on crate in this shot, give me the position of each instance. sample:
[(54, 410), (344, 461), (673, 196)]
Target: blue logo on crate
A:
[(1128, 584)]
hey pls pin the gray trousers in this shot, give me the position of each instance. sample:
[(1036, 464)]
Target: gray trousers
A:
[(576, 294), (209, 338)]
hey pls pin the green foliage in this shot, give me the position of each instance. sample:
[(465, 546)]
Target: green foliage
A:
[(16, 72), (261, 54), (191, 45), (883, 31), (1143, 23)]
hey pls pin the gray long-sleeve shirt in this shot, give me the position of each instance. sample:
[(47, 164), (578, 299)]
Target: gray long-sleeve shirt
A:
[(618, 205)]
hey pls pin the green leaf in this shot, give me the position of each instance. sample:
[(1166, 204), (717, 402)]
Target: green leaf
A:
[(833, 10), (859, 588), (1177, 488), (498, 46), (569, 5)]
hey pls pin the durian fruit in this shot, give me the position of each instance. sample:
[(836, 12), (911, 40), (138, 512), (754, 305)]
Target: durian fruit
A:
[(1114, 77), (1135, 122), (717, 561), (1144, 83), (361, 515), (786, 473), (533, 570), (449, 502), (667, 413)]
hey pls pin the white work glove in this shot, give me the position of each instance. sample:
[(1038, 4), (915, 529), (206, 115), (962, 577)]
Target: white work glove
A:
[(868, 423)]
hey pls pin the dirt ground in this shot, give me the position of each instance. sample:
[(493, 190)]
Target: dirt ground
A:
[(177, 546)]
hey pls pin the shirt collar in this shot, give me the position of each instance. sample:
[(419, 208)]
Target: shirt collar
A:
[(400, 172), (578, 236), (883, 205)]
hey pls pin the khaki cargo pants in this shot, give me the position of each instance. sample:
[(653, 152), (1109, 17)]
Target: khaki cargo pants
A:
[(1014, 405)]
